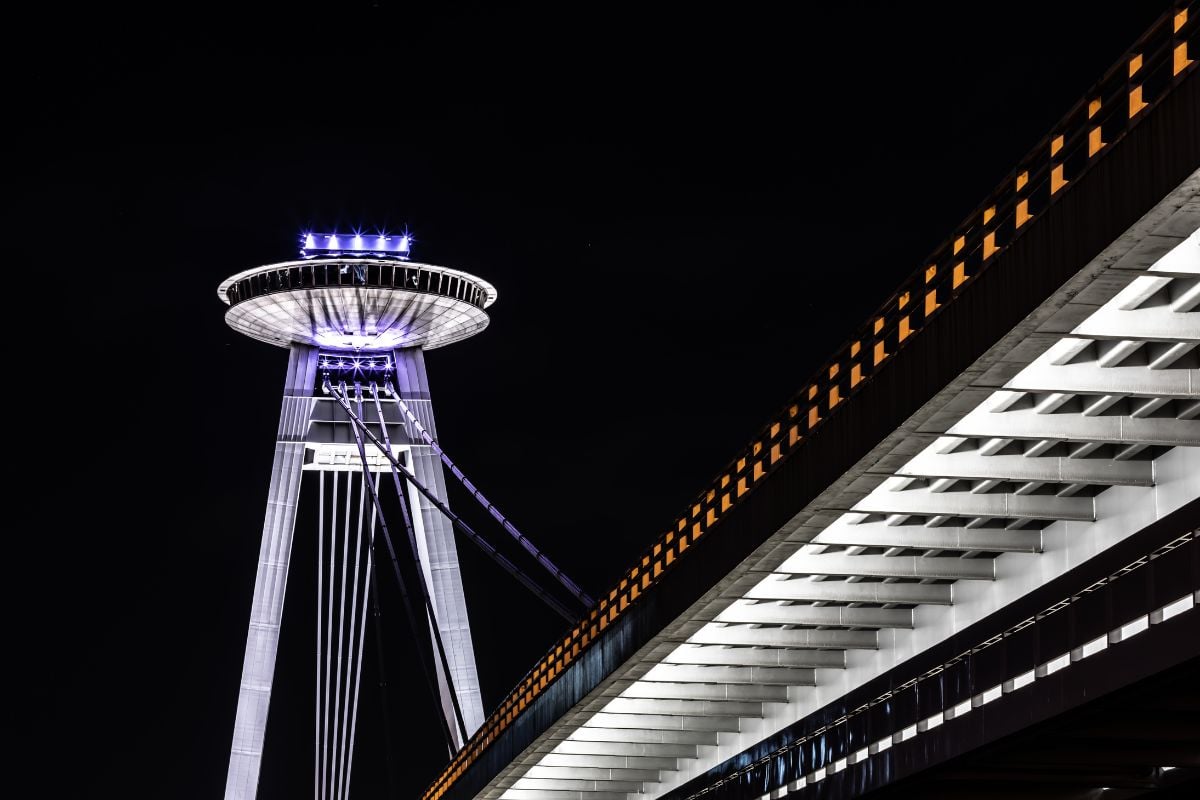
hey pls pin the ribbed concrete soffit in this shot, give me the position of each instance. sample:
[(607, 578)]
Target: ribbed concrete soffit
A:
[(1093, 439), (1080, 428)]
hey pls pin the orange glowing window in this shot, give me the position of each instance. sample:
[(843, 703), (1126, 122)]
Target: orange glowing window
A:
[(814, 416), (1136, 103), (959, 244), (774, 432), (1094, 107), (793, 411), (757, 448), (930, 273), (696, 510), (988, 214), (741, 464), (1022, 179), (1056, 144), (1179, 60), (1023, 214), (989, 245), (1180, 21), (1095, 141), (905, 330), (776, 453), (878, 325), (880, 353), (931, 303), (855, 375), (725, 481), (1057, 179), (855, 348), (758, 470), (794, 432), (741, 487), (901, 303), (725, 502), (709, 518), (671, 555), (834, 397), (833, 371), (683, 545), (960, 275), (696, 531), (812, 392)]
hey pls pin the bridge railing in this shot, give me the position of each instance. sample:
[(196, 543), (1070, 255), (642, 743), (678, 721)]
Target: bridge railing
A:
[(1158, 62)]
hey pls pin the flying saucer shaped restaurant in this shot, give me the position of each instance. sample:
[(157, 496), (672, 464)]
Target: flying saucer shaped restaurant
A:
[(361, 303)]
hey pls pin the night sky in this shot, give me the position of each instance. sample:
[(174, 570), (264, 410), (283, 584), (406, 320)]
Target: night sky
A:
[(684, 215)]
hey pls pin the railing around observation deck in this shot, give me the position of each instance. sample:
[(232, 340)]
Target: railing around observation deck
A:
[(1158, 62)]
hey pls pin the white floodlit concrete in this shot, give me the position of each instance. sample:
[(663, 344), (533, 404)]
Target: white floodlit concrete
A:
[(1087, 440)]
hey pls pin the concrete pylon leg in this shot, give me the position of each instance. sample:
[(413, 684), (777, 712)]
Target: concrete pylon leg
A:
[(270, 582), (436, 547)]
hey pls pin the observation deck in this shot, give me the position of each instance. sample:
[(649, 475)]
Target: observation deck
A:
[(359, 303)]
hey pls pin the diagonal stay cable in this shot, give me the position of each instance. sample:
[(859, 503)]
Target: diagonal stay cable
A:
[(458, 522), (429, 669), (425, 591), (377, 618), (570, 585)]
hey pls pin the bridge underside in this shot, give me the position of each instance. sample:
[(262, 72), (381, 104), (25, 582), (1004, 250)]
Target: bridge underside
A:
[(937, 570), (1072, 435)]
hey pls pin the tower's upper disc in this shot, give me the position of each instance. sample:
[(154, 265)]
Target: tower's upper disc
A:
[(359, 303)]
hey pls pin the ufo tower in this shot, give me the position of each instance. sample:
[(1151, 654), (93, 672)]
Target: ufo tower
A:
[(356, 317)]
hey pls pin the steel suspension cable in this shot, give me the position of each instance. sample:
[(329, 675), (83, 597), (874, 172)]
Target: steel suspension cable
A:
[(570, 585), (337, 700), (377, 618), (318, 760), (406, 516), (351, 677), (427, 668), (327, 756), (457, 521), (362, 630)]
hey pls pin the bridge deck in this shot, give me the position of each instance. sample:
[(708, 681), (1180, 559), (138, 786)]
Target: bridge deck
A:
[(1027, 399)]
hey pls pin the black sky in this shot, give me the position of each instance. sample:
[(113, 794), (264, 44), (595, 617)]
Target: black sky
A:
[(684, 212)]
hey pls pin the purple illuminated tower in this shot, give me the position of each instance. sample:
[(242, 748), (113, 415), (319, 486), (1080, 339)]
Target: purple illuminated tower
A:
[(356, 308)]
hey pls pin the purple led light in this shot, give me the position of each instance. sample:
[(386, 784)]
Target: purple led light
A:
[(333, 244), (342, 362)]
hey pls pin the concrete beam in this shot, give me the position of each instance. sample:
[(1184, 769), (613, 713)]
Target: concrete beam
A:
[(662, 690), (572, 784), (1088, 377), (558, 794), (557, 759), (752, 636), (663, 722), (1153, 323), (755, 657), (591, 773), (878, 534), (969, 504), (622, 749), (646, 736), (1028, 424), (973, 464), (685, 708), (840, 616), (701, 673), (889, 566), (776, 587)]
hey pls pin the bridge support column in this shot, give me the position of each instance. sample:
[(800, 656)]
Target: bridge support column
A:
[(436, 546), (270, 581)]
